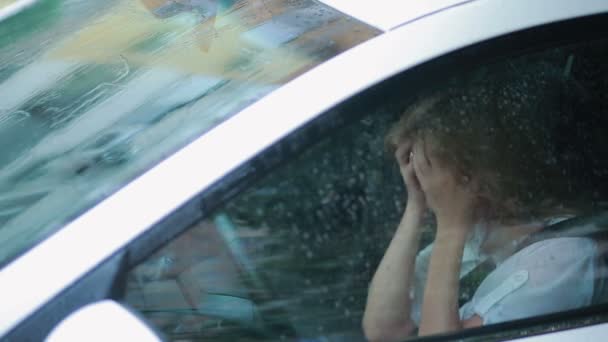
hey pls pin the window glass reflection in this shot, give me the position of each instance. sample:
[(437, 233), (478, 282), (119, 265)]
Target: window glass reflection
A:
[(96, 93)]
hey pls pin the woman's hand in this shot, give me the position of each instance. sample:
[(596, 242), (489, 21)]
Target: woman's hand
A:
[(447, 194), (415, 196)]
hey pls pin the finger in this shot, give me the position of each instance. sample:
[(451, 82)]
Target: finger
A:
[(428, 156), (399, 154), (421, 161), (432, 157), (418, 173), (406, 144), (402, 154), (414, 176)]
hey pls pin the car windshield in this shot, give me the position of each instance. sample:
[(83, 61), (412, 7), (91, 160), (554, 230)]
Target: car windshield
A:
[(94, 93)]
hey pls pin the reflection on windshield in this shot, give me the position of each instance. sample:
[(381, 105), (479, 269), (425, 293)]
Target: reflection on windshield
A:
[(93, 94)]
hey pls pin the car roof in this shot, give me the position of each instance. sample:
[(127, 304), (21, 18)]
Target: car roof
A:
[(388, 14)]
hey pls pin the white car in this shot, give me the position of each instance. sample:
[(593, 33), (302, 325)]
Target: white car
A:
[(217, 168)]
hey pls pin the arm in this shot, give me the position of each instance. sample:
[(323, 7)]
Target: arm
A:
[(451, 199), (440, 303), (388, 308), (387, 312)]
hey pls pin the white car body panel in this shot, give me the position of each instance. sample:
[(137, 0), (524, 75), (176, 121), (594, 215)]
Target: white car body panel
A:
[(590, 333), (388, 14), (101, 322), (76, 249)]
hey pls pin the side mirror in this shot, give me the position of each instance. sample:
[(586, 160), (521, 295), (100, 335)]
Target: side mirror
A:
[(103, 321)]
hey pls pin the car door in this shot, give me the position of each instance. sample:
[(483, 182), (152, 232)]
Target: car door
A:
[(284, 246), (288, 243)]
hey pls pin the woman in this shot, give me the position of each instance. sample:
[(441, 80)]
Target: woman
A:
[(496, 156)]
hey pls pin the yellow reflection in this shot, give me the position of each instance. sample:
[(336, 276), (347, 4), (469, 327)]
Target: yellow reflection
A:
[(186, 41), (4, 3)]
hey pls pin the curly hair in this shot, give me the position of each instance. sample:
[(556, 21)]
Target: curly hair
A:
[(531, 135)]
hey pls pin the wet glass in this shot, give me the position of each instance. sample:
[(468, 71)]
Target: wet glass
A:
[(292, 257), (94, 94), (289, 259)]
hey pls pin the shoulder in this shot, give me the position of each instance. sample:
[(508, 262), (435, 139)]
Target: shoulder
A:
[(574, 242), (529, 281), (556, 250), (550, 260)]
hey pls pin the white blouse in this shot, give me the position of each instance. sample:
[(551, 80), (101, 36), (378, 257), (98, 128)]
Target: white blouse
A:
[(548, 276)]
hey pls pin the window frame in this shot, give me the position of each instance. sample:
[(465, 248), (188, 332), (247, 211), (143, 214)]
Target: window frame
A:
[(527, 41)]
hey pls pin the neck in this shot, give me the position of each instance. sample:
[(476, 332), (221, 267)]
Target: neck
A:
[(504, 238)]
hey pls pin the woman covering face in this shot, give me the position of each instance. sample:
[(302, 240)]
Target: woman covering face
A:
[(497, 156)]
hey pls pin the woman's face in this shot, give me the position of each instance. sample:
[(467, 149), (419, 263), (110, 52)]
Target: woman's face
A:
[(437, 175), (427, 149)]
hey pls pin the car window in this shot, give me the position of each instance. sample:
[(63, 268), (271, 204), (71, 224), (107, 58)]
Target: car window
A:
[(86, 86), (319, 247)]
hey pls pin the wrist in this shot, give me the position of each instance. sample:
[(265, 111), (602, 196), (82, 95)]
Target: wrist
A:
[(411, 219), (413, 215), (452, 231), (415, 208), (461, 221)]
